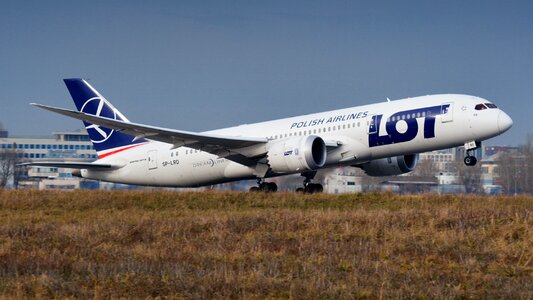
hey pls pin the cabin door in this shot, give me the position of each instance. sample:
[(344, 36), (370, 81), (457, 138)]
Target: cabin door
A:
[(447, 112), (371, 124), (152, 159)]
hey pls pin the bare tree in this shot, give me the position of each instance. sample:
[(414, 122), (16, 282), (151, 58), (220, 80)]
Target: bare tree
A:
[(515, 170), (8, 165), (426, 168), (469, 176)]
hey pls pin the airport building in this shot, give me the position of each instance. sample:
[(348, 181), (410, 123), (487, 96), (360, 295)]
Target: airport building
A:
[(64, 145)]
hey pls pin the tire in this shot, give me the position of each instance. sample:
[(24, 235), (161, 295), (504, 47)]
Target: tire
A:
[(254, 189), (268, 187), (272, 187), (313, 188), (470, 160)]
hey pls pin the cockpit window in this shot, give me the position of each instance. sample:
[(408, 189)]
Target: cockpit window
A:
[(490, 105), (480, 106)]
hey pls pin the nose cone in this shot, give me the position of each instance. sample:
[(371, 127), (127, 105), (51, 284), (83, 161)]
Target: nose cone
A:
[(504, 122)]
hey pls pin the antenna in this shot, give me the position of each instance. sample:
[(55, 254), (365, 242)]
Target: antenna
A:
[(388, 100)]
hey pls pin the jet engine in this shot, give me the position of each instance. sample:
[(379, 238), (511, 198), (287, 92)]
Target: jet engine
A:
[(297, 154), (391, 165)]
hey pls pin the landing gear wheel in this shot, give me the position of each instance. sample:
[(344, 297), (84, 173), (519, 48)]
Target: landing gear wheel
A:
[(262, 186), (269, 187), (313, 188), (310, 188), (470, 160)]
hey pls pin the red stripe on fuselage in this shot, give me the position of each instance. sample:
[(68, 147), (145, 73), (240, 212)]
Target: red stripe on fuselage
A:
[(117, 151)]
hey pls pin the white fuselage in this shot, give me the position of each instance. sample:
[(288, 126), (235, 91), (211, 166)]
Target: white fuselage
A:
[(359, 134)]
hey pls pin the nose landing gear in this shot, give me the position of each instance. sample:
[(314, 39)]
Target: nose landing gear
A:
[(471, 160)]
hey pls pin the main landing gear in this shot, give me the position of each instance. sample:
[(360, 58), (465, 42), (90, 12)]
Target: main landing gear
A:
[(310, 188), (268, 187)]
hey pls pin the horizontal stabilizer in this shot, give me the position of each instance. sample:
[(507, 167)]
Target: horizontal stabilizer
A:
[(71, 165)]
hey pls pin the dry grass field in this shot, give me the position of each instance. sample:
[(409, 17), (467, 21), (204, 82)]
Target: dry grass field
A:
[(146, 244)]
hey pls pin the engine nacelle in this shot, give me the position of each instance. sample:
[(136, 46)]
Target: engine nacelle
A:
[(297, 154), (391, 165)]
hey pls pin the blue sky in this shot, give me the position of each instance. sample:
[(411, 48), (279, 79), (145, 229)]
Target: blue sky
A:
[(199, 65)]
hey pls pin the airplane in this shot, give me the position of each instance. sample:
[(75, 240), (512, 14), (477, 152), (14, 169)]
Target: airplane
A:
[(383, 139)]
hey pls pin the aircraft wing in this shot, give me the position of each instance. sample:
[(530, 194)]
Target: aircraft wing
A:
[(215, 144), (70, 165)]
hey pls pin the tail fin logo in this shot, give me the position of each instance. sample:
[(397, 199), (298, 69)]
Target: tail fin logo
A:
[(99, 107)]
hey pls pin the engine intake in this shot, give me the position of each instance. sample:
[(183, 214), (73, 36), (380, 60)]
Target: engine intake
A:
[(297, 154), (391, 165)]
